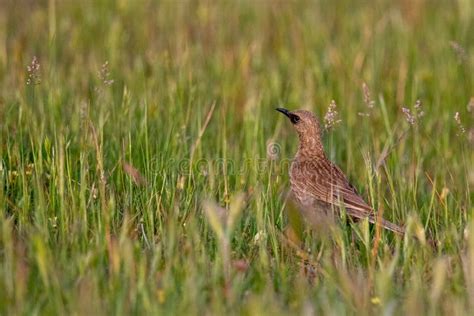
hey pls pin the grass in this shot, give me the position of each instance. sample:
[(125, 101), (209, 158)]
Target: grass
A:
[(143, 169)]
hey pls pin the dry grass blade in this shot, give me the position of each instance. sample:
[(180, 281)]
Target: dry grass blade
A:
[(388, 149), (133, 172), (202, 130), (216, 216)]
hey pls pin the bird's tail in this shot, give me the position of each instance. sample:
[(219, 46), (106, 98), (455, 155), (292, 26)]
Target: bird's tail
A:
[(377, 220), (387, 225)]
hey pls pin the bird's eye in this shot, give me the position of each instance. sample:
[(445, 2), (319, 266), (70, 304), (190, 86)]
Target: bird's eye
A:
[(294, 119)]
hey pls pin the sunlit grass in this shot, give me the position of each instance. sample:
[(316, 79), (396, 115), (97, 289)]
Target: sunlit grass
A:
[(143, 168)]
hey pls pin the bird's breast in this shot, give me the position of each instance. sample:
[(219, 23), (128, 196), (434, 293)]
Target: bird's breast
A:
[(297, 184)]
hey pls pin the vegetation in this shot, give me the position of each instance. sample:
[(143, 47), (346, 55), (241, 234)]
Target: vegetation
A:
[(143, 168)]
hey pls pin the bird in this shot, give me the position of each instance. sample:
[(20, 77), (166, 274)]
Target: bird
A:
[(318, 185)]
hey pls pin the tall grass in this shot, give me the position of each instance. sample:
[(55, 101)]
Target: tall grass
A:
[(143, 168)]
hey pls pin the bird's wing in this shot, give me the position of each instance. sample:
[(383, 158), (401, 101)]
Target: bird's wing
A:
[(326, 182)]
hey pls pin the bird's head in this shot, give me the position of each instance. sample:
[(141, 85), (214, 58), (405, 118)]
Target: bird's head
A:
[(303, 121), (307, 126)]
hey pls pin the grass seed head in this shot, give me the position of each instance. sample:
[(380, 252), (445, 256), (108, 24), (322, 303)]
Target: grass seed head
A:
[(104, 74), (331, 118), (367, 99), (33, 72), (413, 116), (457, 118)]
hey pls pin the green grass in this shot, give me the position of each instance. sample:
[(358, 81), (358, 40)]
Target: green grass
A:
[(113, 196)]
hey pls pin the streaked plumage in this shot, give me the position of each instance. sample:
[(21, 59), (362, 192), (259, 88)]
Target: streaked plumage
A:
[(317, 183)]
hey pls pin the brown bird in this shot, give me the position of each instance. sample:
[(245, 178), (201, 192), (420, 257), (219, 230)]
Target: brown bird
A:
[(318, 185)]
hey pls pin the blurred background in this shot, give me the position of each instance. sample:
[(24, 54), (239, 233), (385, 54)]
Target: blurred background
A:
[(106, 106)]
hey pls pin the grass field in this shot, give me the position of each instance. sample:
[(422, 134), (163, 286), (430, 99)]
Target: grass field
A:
[(143, 169)]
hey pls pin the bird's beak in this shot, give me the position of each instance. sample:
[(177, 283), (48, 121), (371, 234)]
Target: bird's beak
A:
[(284, 111)]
